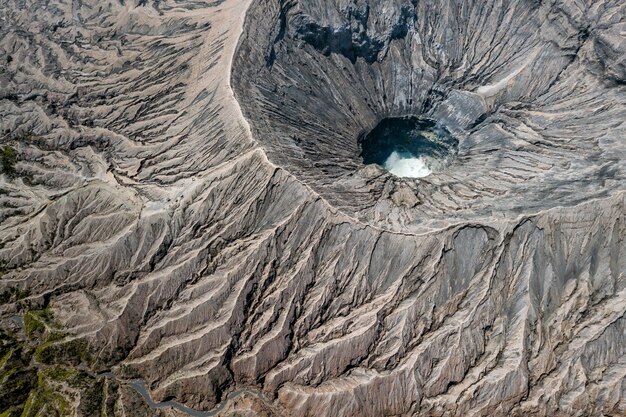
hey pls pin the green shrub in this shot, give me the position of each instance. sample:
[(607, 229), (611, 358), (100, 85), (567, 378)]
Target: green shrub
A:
[(11, 294), (35, 323), (73, 352), (8, 158), (57, 373)]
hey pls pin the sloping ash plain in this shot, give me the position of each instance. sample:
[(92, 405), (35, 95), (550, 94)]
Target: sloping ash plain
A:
[(184, 206)]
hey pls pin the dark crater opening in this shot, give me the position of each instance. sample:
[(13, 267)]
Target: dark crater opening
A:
[(409, 147)]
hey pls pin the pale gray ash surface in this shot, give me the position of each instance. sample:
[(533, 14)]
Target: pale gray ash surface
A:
[(185, 194)]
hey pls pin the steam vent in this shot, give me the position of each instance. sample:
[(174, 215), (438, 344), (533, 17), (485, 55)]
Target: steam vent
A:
[(312, 208)]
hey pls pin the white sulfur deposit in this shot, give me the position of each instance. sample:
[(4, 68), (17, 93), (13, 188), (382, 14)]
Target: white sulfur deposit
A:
[(407, 167)]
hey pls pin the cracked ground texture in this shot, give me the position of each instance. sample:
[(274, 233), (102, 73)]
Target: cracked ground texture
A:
[(189, 199)]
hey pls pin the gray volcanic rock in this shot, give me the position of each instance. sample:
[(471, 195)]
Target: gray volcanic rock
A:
[(263, 267), (520, 85)]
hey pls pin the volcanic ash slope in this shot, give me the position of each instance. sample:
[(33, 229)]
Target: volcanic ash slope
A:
[(189, 197)]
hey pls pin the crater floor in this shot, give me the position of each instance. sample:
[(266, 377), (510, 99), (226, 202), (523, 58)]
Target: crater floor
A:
[(409, 147), (185, 198)]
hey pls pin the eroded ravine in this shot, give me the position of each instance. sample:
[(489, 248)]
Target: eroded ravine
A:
[(202, 253)]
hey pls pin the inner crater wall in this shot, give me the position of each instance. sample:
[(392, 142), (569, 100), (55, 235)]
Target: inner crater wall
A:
[(510, 80)]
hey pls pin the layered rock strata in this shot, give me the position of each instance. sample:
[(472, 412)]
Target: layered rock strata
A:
[(188, 197)]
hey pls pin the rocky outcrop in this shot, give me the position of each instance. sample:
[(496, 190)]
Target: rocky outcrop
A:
[(188, 195)]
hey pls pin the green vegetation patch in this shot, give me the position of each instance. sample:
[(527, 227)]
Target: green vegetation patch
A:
[(92, 399), (46, 401), (8, 159), (17, 376), (71, 352), (57, 373), (50, 385), (37, 322), (7, 343), (11, 294)]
